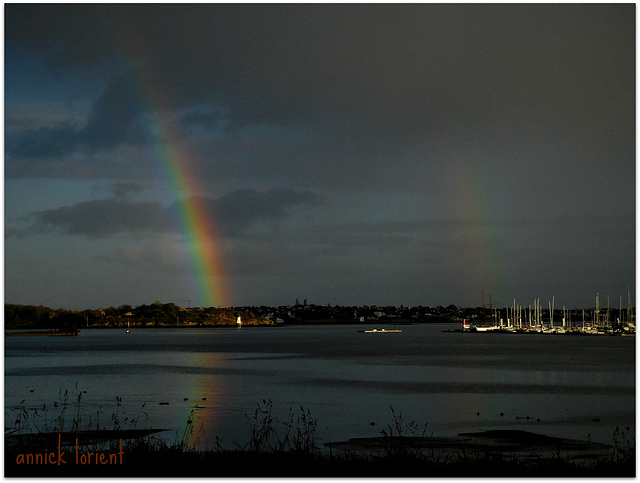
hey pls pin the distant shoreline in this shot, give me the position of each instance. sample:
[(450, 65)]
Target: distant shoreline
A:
[(38, 333), (24, 330)]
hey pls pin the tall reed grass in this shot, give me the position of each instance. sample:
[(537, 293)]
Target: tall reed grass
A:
[(286, 446)]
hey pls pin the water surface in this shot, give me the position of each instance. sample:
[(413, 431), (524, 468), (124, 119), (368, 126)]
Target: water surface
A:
[(570, 386)]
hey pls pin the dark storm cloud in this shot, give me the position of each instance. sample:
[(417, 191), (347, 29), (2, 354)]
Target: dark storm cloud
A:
[(69, 34), (506, 132), (122, 190), (373, 85), (103, 218), (43, 142), (405, 65), (245, 206), (110, 123), (231, 213), (207, 118), (112, 116), (406, 256), (240, 209)]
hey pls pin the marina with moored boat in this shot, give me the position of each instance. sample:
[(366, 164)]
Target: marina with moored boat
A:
[(533, 319)]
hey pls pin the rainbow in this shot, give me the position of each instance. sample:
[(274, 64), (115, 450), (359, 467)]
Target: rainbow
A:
[(470, 203), (171, 163), (193, 217)]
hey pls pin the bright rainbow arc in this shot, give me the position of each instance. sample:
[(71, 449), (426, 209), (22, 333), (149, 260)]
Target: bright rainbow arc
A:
[(193, 218), (171, 164), (206, 262), (169, 161)]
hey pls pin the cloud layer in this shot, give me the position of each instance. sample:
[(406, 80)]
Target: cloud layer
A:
[(232, 213), (371, 127)]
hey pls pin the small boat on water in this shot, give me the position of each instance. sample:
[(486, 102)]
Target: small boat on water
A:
[(382, 330), (485, 328)]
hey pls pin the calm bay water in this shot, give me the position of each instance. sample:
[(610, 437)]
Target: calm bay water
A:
[(571, 386)]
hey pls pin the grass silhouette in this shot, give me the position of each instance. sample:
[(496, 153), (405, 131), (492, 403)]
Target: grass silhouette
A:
[(276, 448)]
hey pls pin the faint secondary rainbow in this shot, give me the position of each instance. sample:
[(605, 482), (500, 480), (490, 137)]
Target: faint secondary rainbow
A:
[(479, 239)]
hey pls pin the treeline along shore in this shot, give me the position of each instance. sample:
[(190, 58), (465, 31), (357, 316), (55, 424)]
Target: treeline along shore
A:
[(158, 314)]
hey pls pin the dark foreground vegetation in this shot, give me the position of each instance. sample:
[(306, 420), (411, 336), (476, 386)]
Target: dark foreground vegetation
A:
[(289, 448), (151, 461)]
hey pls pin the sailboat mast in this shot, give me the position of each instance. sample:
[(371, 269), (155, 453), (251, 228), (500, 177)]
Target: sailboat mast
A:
[(620, 317)]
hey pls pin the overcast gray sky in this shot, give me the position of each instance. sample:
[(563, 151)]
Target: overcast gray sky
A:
[(414, 154)]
